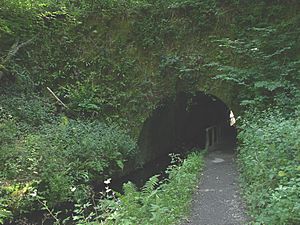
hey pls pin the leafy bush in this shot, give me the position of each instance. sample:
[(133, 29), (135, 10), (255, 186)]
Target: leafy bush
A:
[(153, 204), (156, 204), (262, 63), (26, 109), (64, 158), (8, 132), (269, 161), (4, 212)]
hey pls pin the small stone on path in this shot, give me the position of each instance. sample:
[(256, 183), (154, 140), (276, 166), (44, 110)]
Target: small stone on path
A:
[(218, 160)]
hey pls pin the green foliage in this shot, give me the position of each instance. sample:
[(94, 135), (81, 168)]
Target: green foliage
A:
[(70, 52), (269, 160), (26, 109), (8, 132), (187, 68), (114, 61), (4, 213), (263, 63), (135, 51), (60, 160), (153, 204)]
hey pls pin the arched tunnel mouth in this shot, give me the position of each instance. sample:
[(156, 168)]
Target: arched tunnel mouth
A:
[(191, 120), (188, 121)]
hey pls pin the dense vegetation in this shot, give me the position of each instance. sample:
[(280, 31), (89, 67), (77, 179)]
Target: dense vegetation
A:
[(155, 202), (56, 157), (269, 160), (106, 58)]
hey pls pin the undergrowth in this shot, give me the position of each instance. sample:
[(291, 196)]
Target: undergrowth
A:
[(111, 62), (269, 160), (158, 202), (52, 155)]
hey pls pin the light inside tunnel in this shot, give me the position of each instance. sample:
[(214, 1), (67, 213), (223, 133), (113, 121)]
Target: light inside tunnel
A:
[(232, 118)]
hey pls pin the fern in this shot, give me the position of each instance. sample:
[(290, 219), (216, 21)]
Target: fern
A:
[(150, 185)]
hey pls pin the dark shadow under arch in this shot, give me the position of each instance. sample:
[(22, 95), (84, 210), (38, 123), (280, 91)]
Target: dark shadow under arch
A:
[(175, 126), (179, 124)]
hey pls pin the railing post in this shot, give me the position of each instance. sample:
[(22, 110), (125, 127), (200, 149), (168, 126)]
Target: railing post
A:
[(207, 139), (213, 136)]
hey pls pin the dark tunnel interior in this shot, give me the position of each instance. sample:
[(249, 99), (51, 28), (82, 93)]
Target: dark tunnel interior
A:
[(176, 126), (180, 124)]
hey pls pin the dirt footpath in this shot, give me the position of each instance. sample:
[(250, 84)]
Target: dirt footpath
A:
[(217, 200)]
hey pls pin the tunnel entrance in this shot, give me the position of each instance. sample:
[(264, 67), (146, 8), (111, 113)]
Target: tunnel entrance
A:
[(190, 120), (176, 126)]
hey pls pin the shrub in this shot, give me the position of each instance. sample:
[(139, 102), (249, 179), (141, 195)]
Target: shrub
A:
[(4, 213), (154, 203), (269, 161), (64, 158), (8, 131), (26, 109)]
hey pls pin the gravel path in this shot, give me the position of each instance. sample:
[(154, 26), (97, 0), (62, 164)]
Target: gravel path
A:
[(217, 200)]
